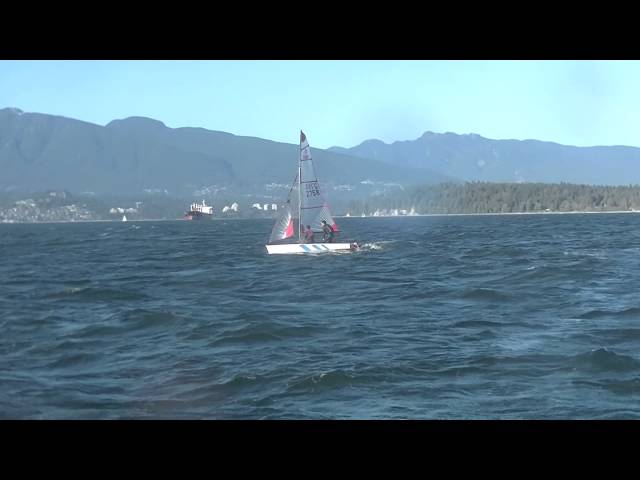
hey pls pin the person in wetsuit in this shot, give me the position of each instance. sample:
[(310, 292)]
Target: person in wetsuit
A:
[(328, 233)]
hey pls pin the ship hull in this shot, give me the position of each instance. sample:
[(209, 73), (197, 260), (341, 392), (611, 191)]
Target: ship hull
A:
[(197, 216)]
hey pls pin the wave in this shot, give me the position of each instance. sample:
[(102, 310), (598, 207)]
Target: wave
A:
[(603, 360), (478, 323), (484, 294), (627, 313), (385, 279), (252, 334), (618, 387), (72, 360), (324, 381), (140, 319), (90, 294), (100, 331)]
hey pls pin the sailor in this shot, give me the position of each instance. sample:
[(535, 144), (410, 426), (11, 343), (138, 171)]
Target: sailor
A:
[(308, 235), (327, 232)]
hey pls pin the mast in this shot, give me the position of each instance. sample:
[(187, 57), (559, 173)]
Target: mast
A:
[(300, 194)]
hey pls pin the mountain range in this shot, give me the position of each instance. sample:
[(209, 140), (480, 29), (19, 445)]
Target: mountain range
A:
[(471, 157), (127, 157), (131, 156)]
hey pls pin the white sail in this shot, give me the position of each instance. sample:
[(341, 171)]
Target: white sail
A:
[(313, 204), (283, 228)]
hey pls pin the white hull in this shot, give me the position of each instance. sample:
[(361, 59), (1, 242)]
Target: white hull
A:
[(308, 247)]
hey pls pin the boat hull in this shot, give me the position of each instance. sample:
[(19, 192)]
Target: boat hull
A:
[(198, 216), (310, 248)]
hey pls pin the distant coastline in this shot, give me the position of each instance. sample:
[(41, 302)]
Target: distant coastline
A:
[(217, 219), (485, 214)]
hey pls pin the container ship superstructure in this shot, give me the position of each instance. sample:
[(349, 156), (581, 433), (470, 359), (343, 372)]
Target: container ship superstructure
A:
[(199, 211)]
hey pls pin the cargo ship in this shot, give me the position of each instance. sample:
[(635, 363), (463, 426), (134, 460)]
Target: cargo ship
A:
[(199, 211)]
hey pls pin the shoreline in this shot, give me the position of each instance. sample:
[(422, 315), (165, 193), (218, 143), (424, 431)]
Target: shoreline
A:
[(484, 214), (216, 219)]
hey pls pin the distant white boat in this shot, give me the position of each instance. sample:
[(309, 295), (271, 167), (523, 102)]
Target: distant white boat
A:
[(124, 218), (313, 210)]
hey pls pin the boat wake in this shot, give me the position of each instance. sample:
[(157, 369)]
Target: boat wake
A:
[(376, 245)]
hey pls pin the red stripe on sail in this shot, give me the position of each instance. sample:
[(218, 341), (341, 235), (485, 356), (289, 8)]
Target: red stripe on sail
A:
[(289, 231)]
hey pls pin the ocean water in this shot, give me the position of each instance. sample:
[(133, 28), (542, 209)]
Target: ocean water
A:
[(459, 317)]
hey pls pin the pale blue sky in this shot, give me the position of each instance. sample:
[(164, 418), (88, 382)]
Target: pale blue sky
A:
[(344, 102)]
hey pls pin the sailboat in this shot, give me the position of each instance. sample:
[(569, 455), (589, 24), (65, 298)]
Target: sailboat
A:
[(124, 218), (312, 210)]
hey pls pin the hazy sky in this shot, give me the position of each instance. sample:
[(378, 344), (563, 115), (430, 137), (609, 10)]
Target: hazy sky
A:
[(344, 102)]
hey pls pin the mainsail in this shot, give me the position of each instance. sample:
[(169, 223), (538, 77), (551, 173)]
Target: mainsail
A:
[(313, 205)]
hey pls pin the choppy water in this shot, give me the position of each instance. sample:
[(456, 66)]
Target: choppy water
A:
[(533, 316)]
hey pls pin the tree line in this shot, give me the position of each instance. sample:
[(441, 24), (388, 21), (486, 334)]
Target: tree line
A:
[(485, 197)]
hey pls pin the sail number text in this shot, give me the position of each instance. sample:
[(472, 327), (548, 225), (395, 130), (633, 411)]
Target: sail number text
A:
[(312, 188)]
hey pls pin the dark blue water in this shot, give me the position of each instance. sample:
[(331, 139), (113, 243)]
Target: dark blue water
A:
[(532, 316)]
